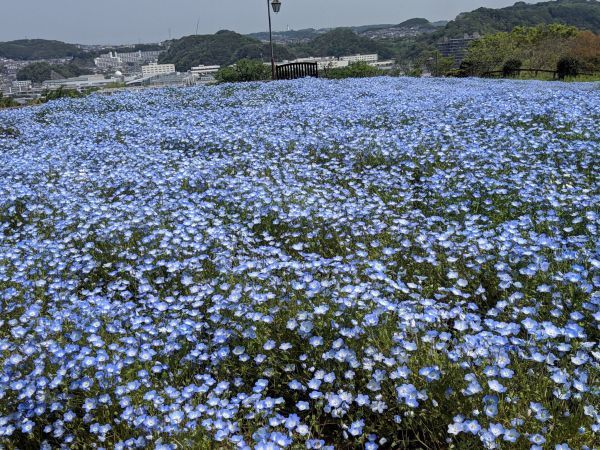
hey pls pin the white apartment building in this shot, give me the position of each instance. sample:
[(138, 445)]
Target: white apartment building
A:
[(139, 56), (113, 60), (332, 64), (323, 62), (384, 65), (202, 70), (157, 69), (22, 85), (360, 58), (108, 61), (82, 82)]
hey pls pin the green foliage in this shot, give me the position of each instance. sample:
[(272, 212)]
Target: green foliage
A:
[(28, 49), (416, 72), (435, 63), (42, 71), (61, 92), (578, 13), (243, 71), (356, 70), (466, 69), (537, 47), (581, 14), (567, 66), (6, 102), (511, 68), (8, 132), (416, 22), (141, 48)]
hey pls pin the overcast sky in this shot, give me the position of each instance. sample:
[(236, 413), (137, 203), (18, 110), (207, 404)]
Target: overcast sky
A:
[(132, 21)]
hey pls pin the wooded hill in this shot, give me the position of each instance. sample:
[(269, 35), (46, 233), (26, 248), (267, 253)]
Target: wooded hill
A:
[(223, 48), (583, 14), (29, 49), (340, 42)]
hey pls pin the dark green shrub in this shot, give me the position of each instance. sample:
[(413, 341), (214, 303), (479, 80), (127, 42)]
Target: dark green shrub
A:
[(356, 70), (7, 102), (244, 70), (62, 92), (511, 68), (9, 132), (567, 66), (466, 69)]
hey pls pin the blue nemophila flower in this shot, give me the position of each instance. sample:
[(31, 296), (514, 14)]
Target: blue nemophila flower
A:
[(430, 373), (254, 264), (356, 428), (496, 386)]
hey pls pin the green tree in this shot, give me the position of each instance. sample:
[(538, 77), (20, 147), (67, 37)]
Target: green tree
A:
[(243, 71), (28, 49), (567, 66), (538, 47), (489, 53), (436, 64), (355, 70), (42, 71), (7, 102), (511, 68)]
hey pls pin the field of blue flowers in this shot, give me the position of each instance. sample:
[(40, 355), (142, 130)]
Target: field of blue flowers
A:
[(385, 263)]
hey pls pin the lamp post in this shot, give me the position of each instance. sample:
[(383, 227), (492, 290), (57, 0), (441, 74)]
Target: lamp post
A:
[(432, 59), (276, 5)]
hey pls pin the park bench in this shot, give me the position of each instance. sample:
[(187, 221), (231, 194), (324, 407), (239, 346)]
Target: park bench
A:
[(293, 71)]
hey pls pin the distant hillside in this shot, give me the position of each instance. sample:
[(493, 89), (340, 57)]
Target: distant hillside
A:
[(583, 14), (408, 28), (29, 49), (308, 34), (291, 36), (42, 71), (223, 48)]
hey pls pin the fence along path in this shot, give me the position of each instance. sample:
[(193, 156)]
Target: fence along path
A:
[(554, 73)]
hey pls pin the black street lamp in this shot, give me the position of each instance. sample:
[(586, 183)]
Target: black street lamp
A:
[(276, 4)]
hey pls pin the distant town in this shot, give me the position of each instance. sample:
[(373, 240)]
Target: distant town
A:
[(140, 69), (523, 40)]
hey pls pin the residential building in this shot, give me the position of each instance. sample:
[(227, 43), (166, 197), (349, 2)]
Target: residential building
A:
[(457, 48), (200, 71), (115, 60), (157, 69), (22, 86), (164, 79), (332, 64), (360, 58), (83, 82), (387, 64)]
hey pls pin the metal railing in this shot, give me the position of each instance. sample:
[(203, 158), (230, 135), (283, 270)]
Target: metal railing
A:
[(535, 72)]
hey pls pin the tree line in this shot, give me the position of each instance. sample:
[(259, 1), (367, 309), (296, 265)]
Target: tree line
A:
[(554, 47)]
